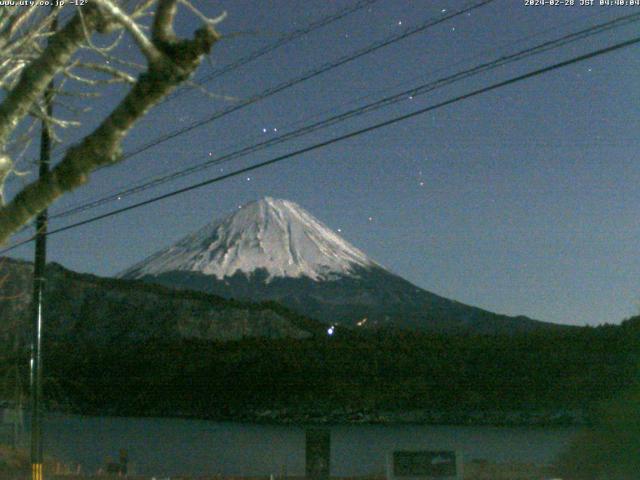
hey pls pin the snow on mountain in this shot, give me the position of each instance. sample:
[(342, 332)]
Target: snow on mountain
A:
[(273, 250), (271, 234)]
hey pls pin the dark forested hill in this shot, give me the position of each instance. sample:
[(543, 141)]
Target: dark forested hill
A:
[(101, 311), (347, 376), (122, 347)]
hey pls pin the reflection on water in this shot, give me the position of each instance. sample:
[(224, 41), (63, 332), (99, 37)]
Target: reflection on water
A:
[(196, 447)]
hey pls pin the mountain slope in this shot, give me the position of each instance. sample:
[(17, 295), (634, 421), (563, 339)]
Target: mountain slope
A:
[(85, 308), (275, 250)]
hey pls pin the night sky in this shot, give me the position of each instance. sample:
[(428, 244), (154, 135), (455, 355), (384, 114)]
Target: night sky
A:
[(524, 200)]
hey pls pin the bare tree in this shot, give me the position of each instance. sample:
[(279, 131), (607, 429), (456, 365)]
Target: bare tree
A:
[(31, 55)]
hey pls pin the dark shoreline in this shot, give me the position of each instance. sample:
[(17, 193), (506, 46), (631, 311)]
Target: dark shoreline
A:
[(284, 417)]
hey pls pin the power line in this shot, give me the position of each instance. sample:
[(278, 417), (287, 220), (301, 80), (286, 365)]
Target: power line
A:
[(389, 100), (153, 180), (407, 32), (356, 100), (283, 40), (308, 75), (355, 133), (243, 61)]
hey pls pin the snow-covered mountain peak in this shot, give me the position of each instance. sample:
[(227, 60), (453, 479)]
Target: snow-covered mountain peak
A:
[(271, 234)]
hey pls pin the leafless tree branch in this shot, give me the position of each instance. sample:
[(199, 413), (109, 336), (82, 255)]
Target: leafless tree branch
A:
[(170, 62)]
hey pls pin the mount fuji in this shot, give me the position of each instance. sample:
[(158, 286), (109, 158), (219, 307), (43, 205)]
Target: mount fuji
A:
[(273, 249), (276, 236)]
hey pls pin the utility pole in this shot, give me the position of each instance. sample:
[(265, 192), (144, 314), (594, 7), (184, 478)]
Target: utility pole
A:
[(39, 281)]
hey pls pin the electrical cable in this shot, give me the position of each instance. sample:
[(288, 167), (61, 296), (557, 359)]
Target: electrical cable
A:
[(389, 100), (386, 123), (141, 182), (283, 40), (307, 76), (409, 31)]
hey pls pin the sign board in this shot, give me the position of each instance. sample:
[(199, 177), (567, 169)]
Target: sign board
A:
[(425, 465)]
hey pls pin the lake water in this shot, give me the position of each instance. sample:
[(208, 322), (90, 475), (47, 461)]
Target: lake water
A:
[(168, 447)]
